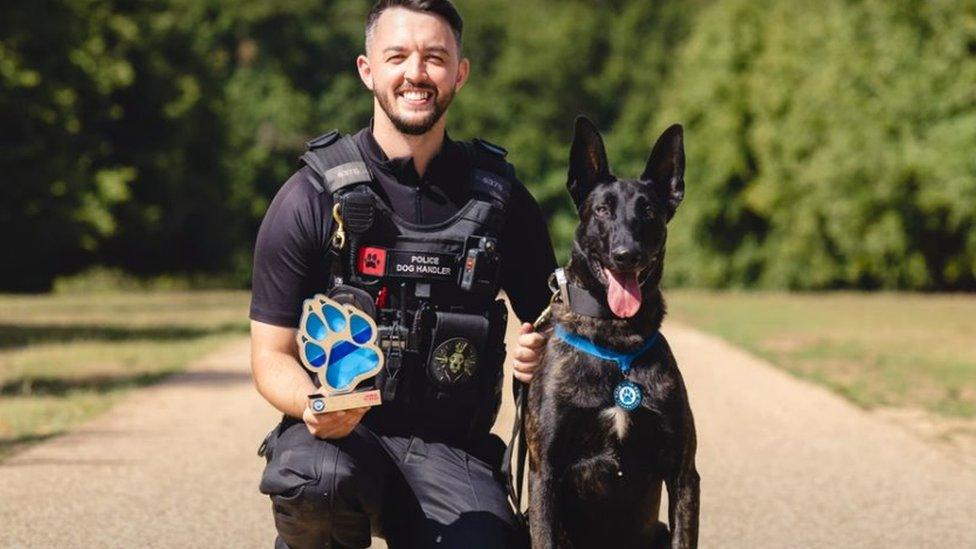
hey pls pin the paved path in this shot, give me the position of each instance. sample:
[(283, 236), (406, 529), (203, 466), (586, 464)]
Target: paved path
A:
[(783, 464)]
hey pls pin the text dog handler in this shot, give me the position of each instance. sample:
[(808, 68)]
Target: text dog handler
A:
[(419, 233)]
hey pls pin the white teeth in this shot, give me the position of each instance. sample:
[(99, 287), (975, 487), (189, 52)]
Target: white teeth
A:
[(416, 95)]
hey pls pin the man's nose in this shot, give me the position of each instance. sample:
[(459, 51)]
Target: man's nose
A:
[(416, 69)]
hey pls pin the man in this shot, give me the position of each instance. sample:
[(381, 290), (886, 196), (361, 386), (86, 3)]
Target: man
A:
[(421, 468)]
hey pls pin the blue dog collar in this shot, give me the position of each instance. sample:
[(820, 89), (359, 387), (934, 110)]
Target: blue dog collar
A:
[(623, 360)]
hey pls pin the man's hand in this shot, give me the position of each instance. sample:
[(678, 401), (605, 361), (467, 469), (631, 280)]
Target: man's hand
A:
[(333, 424), (528, 353)]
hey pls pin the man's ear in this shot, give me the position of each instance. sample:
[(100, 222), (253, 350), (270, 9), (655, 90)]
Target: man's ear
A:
[(587, 161), (464, 70), (665, 169), (365, 72)]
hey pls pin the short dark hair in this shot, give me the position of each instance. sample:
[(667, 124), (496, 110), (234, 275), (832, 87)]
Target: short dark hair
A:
[(442, 8)]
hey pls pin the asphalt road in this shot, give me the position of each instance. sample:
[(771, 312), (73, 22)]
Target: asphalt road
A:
[(783, 464)]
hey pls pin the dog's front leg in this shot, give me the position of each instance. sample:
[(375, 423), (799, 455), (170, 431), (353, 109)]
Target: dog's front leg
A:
[(542, 478), (683, 504), (683, 494), (683, 501), (542, 519)]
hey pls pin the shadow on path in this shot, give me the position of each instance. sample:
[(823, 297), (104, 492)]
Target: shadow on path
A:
[(14, 336)]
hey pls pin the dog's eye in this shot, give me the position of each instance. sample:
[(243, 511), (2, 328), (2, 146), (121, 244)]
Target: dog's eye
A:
[(649, 211), (601, 210)]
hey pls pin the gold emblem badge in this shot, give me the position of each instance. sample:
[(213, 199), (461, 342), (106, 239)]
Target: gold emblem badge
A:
[(454, 362)]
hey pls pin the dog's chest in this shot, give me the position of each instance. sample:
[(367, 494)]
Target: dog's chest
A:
[(617, 421), (589, 421)]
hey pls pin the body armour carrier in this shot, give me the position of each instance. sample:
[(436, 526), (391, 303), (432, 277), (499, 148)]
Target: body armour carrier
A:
[(431, 289)]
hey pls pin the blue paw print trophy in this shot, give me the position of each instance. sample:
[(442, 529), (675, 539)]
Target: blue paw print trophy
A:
[(337, 342)]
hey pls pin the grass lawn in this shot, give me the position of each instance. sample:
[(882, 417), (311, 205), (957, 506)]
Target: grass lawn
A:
[(904, 350), (67, 357)]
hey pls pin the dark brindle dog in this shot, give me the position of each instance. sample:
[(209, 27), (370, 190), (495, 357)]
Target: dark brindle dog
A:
[(596, 467)]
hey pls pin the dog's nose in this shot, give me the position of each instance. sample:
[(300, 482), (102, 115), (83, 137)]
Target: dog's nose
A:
[(625, 257)]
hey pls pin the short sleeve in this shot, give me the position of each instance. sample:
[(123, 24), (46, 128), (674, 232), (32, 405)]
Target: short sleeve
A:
[(290, 254), (527, 255)]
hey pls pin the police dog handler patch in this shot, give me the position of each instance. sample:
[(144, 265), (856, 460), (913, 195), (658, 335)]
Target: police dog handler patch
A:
[(337, 342), (375, 261)]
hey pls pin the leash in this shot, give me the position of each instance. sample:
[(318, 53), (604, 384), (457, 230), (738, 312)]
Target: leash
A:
[(517, 443)]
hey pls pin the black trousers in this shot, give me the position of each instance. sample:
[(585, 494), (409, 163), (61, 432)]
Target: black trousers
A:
[(412, 492)]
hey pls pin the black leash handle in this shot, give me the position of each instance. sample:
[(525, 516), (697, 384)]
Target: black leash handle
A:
[(517, 445)]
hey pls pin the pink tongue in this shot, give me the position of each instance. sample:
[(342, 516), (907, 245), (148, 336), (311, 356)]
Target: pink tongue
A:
[(623, 293)]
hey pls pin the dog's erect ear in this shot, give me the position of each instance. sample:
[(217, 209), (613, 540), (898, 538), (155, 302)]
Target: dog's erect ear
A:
[(587, 161), (666, 167)]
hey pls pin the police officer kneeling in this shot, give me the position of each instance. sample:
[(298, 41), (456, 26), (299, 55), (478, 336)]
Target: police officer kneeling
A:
[(421, 232)]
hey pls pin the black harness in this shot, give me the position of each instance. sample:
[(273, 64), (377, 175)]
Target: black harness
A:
[(430, 287)]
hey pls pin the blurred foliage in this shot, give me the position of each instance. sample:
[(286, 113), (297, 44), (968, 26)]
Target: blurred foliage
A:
[(829, 145)]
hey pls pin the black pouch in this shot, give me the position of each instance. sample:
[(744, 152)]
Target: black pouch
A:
[(457, 349), (356, 297)]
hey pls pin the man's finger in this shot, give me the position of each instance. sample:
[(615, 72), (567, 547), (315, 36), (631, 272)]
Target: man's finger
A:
[(534, 340), (523, 377), (526, 355), (526, 328), (523, 367)]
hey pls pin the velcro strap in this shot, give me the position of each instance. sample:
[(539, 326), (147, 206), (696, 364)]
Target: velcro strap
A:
[(493, 185), (340, 164)]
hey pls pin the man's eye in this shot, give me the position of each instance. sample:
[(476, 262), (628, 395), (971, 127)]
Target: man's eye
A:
[(601, 210), (396, 58)]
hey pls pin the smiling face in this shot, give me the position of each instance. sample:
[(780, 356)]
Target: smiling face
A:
[(413, 67), (623, 223)]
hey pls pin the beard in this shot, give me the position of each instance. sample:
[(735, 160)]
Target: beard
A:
[(410, 126)]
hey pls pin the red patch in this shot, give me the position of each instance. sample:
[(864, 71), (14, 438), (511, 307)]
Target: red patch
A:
[(372, 261)]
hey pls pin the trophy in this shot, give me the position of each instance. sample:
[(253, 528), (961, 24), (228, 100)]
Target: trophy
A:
[(337, 342)]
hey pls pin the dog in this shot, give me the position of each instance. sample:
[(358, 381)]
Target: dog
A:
[(595, 467)]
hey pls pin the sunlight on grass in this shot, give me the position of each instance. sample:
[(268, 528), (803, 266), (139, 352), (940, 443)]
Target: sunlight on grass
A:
[(65, 358), (905, 350)]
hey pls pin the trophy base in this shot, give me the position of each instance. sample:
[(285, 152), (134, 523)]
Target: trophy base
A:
[(321, 404)]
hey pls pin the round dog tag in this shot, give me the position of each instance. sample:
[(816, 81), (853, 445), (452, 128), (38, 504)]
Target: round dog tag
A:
[(628, 395)]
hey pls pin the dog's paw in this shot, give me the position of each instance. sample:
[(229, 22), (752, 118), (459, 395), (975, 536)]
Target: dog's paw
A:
[(338, 342)]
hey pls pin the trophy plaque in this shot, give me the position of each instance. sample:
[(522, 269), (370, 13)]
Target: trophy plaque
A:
[(337, 342)]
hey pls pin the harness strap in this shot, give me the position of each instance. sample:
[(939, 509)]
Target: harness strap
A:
[(340, 164)]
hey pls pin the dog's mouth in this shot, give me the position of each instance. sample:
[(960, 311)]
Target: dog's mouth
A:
[(624, 289), (623, 292)]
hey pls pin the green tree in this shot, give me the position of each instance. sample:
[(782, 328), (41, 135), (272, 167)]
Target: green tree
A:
[(830, 145)]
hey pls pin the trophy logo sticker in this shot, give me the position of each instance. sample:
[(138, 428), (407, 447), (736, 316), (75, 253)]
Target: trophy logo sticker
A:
[(337, 342)]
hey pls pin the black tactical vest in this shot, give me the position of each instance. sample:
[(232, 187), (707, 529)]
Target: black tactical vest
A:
[(430, 287)]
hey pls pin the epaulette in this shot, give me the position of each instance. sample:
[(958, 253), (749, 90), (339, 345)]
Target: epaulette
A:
[(323, 140), (491, 174), (337, 161), (490, 147)]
